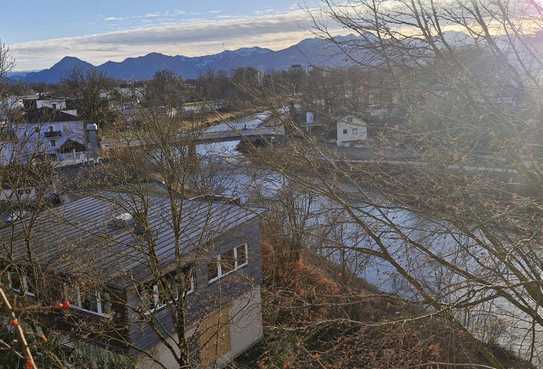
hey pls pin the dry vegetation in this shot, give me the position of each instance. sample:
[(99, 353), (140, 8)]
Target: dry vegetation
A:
[(318, 317)]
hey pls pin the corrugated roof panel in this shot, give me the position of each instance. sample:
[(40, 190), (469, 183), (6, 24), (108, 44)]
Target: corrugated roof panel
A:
[(78, 236)]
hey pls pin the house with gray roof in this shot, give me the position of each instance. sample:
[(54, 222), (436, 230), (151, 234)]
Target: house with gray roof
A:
[(48, 133), (95, 253)]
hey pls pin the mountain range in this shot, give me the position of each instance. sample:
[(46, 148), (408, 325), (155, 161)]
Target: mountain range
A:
[(309, 52), (312, 51)]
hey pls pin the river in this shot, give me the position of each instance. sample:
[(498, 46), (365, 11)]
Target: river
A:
[(328, 225)]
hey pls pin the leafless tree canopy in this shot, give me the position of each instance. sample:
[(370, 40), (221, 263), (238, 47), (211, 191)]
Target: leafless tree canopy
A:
[(457, 227), (444, 216)]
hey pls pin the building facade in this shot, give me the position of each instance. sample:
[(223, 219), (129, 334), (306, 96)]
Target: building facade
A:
[(67, 142), (129, 311), (351, 130)]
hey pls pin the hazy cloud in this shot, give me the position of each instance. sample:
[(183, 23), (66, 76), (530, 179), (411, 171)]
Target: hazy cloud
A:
[(114, 19), (162, 16)]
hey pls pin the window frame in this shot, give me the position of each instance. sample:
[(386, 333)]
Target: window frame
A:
[(228, 263), (23, 284), (191, 279), (237, 266), (77, 305), (10, 282), (246, 247), (156, 294)]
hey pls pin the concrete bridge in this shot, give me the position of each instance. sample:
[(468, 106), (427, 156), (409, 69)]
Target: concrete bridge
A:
[(267, 133), (234, 135)]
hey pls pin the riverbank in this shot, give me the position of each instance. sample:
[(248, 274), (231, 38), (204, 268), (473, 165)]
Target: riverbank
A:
[(326, 318)]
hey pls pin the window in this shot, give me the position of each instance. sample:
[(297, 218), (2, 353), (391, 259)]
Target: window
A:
[(20, 282), (213, 270), (22, 192), (96, 302), (89, 301), (105, 302), (189, 280), (169, 287), (345, 131), (53, 143), (15, 282), (28, 284), (71, 294), (156, 295), (148, 294), (241, 256), (227, 263)]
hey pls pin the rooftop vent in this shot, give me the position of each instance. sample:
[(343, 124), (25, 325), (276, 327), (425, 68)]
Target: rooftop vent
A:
[(122, 221)]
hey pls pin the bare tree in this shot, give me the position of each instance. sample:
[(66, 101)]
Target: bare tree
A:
[(158, 162), (454, 222), (6, 61), (87, 88)]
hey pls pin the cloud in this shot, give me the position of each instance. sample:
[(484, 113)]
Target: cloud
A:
[(266, 11), (114, 19), (163, 16), (187, 37)]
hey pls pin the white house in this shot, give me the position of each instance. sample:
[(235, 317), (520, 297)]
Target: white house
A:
[(20, 194), (351, 130), (66, 142), (8, 105), (32, 102), (56, 104)]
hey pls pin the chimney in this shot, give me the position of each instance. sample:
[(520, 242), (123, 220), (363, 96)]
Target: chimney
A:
[(92, 140)]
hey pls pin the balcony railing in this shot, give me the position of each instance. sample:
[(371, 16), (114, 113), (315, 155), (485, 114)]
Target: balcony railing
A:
[(51, 134)]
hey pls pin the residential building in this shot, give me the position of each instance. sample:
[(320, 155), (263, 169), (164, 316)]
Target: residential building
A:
[(51, 134), (52, 103), (26, 194), (97, 239), (38, 101), (351, 130)]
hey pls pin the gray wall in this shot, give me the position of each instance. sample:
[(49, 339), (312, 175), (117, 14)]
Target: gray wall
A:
[(246, 330), (206, 297)]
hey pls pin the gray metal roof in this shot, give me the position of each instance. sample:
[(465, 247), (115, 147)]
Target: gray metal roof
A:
[(78, 238)]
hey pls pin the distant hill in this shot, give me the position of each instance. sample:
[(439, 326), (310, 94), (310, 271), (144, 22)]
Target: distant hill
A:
[(57, 72), (315, 52), (17, 75)]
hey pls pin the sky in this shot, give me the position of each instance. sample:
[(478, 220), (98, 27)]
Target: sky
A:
[(39, 33)]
